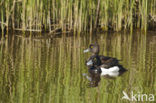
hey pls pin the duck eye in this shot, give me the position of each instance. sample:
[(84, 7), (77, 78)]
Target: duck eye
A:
[(91, 47)]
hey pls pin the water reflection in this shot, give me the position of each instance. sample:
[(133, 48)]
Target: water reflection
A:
[(99, 65), (50, 70)]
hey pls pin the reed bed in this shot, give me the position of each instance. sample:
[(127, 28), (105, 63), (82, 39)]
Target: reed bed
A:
[(77, 15)]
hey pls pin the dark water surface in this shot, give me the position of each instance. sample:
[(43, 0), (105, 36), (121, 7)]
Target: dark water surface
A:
[(50, 70)]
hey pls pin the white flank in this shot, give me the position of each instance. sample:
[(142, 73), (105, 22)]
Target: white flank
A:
[(113, 71)]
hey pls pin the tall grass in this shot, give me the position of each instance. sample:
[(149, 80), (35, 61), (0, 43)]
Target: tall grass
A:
[(75, 15)]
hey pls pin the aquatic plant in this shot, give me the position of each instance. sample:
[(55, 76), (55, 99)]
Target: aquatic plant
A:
[(76, 15)]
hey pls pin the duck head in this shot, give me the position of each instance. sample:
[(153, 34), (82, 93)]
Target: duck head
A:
[(93, 48)]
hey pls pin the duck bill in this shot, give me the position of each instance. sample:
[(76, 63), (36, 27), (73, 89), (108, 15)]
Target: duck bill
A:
[(87, 50)]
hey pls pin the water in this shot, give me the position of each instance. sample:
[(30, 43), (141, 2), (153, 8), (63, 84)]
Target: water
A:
[(51, 70)]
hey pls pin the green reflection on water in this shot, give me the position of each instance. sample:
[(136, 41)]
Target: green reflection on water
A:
[(50, 71)]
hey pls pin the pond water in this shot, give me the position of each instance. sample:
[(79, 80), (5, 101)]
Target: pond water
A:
[(51, 70)]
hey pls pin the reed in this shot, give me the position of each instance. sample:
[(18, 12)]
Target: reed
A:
[(78, 15)]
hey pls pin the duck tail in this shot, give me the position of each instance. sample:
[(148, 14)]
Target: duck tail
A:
[(122, 69)]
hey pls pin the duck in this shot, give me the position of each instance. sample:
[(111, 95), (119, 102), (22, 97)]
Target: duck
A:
[(105, 60), (103, 69), (105, 66)]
